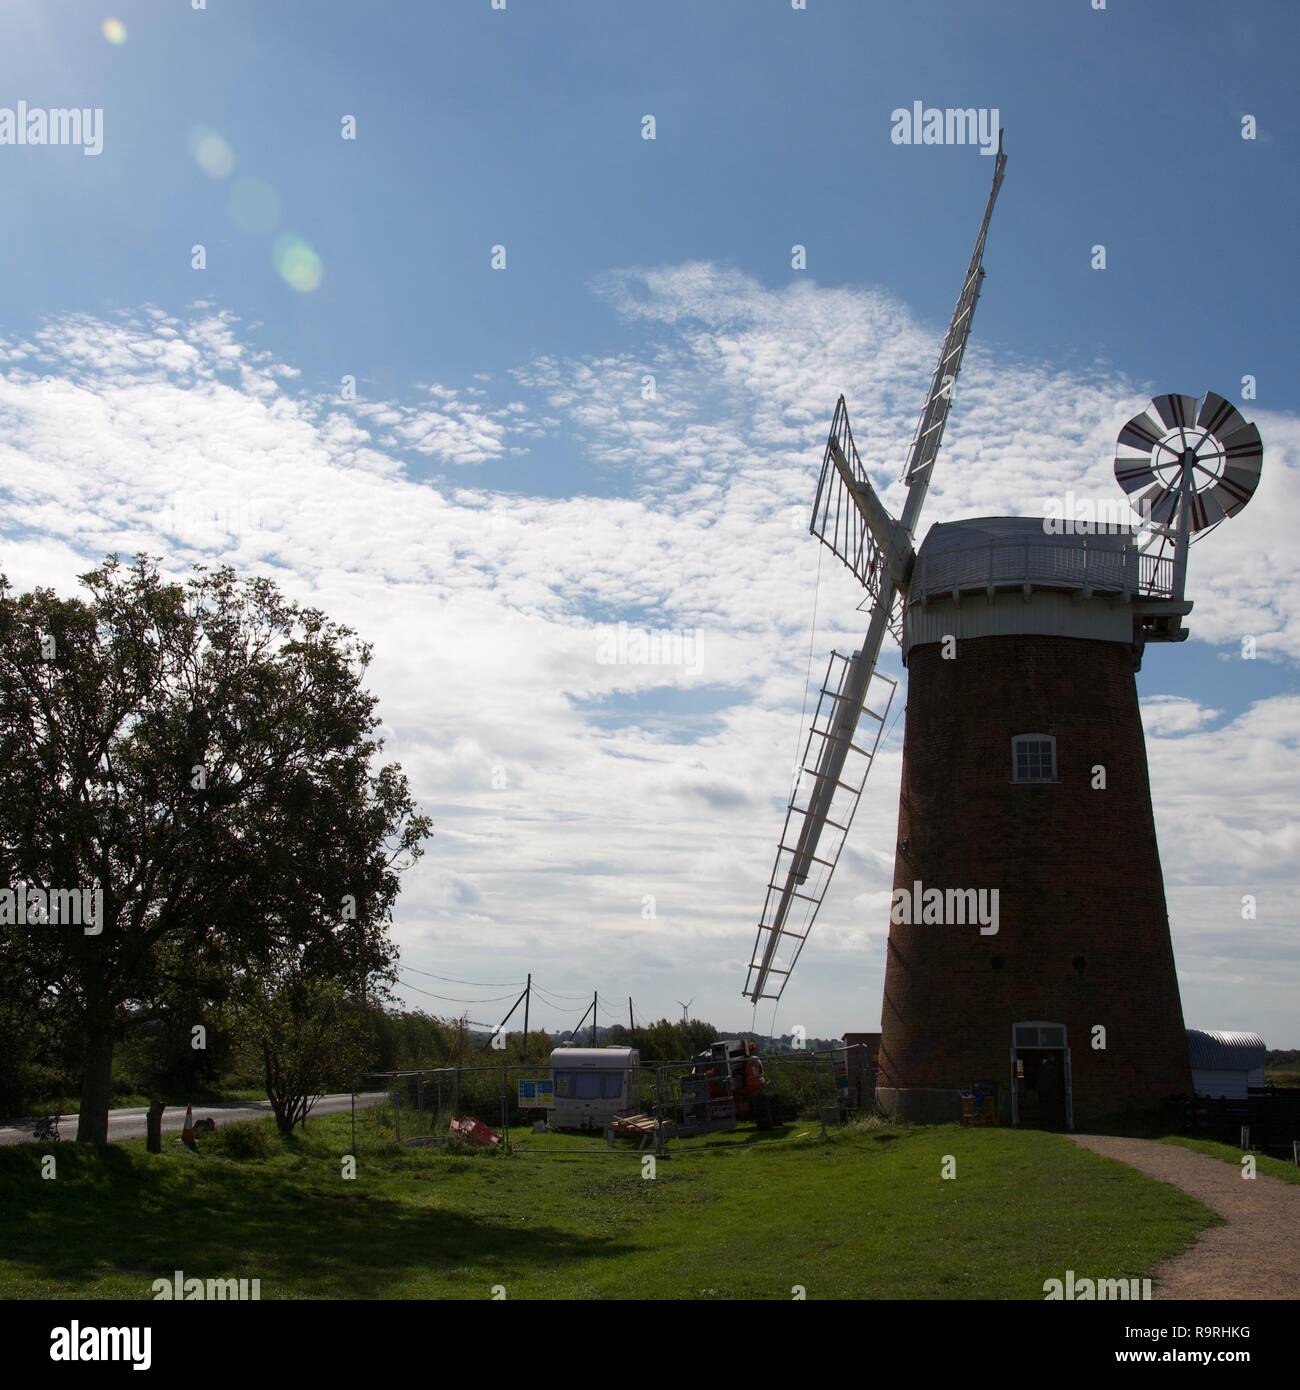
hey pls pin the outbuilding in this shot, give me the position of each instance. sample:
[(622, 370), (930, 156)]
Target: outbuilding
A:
[(1225, 1065)]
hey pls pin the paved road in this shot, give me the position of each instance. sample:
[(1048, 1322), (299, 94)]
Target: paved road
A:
[(130, 1124)]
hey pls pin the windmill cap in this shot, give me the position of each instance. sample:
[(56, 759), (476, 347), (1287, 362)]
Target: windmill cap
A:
[(1008, 552), (1032, 579), (982, 532)]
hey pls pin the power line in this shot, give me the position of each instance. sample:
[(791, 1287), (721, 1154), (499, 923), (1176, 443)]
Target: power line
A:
[(564, 1013), (552, 999), (559, 994), (451, 979), (893, 722), (546, 999), (558, 1007), (452, 999)]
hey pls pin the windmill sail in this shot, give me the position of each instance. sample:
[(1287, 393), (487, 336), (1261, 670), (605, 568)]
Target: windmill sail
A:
[(801, 876), (837, 521), (806, 857)]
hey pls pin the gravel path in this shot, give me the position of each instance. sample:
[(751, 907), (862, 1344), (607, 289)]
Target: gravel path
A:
[(1255, 1255)]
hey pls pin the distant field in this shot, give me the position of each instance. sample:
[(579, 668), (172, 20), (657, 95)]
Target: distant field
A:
[(862, 1215)]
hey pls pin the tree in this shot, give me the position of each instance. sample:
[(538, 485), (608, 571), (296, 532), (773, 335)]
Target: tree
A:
[(311, 1035), (201, 761)]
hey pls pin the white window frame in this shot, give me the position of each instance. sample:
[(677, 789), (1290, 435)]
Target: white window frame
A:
[(1016, 741)]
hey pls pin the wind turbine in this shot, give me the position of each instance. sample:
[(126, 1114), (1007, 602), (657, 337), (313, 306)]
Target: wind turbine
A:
[(686, 1006), (852, 521)]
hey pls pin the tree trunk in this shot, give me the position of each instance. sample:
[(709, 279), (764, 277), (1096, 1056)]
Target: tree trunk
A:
[(276, 1091), (153, 1136), (96, 1081)]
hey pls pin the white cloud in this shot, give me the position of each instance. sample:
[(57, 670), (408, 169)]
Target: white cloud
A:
[(568, 790), (1174, 714)]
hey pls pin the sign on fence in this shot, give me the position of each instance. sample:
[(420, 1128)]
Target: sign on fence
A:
[(536, 1093)]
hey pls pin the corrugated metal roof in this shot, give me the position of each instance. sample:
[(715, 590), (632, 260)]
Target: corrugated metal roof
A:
[(1214, 1051)]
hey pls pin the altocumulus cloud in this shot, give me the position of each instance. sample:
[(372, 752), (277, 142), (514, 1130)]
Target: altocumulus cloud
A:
[(567, 797)]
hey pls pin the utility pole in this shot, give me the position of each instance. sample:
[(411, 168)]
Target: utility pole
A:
[(630, 1025), (594, 997), (528, 999)]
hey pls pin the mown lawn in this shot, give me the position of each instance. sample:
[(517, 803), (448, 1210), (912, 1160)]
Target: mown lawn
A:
[(861, 1215)]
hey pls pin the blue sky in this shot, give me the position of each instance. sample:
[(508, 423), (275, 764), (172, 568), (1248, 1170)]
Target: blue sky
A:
[(522, 127), (497, 399)]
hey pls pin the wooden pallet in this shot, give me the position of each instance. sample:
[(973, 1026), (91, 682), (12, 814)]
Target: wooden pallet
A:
[(638, 1127), (633, 1124)]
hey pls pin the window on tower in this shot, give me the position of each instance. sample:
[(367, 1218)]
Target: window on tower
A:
[(1033, 758)]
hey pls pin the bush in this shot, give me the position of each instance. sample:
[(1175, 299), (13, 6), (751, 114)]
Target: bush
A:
[(46, 1129), (244, 1139), (870, 1123)]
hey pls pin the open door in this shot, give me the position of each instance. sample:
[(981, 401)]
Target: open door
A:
[(1041, 1093)]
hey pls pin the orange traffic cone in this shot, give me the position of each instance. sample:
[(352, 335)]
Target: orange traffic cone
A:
[(187, 1134)]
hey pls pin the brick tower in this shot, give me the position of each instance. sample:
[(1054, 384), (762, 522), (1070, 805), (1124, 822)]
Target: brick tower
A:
[(1024, 772)]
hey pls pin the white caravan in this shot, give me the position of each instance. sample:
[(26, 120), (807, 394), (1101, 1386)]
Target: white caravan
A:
[(593, 1084)]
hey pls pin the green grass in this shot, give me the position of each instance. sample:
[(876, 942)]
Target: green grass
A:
[(864, 1214), (1276, 1167)]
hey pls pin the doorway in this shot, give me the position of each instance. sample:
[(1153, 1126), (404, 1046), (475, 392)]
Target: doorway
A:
[(1040, 1077)]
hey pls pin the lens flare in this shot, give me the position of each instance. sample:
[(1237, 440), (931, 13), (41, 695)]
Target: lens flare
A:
[(299, 265), (113, 30), (211, 153)]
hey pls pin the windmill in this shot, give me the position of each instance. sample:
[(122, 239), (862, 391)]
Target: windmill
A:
[(1024, 775), (852, 522)]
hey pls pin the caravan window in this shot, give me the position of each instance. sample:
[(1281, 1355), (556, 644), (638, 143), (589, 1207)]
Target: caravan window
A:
[(589, 1085)]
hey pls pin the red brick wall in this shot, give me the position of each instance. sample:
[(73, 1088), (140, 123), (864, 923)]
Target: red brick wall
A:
[(1078, 872)]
